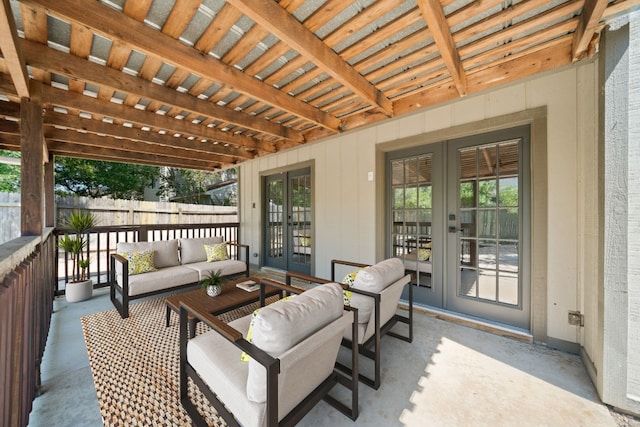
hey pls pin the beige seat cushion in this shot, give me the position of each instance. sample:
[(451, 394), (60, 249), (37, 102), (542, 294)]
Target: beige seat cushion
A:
[(227, 267), (302, 366), (278, 327), (166, 251), (374, 279), (165, 278), (192, 250)]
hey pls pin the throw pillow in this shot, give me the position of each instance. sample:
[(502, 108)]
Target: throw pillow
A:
[(350, 278), (424, 254), (216, 252), (140, 262), (245, 356)]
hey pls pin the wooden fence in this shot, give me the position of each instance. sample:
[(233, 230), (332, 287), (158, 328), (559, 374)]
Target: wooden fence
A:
[(26, 303), (111, 212)]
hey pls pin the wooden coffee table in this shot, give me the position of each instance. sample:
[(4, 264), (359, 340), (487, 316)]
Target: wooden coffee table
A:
[(230, 299)]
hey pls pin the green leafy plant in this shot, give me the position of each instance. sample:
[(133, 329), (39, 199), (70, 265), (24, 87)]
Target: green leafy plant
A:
[(75, 243), (215, 278)]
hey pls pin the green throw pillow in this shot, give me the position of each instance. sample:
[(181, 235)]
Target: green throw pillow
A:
[(140, 262), (424, 254), (216, 252)]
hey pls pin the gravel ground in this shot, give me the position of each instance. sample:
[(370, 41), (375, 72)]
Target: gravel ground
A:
[(624, 420)]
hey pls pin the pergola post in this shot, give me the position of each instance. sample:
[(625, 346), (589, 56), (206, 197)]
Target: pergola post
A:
[(49, 195), (32, 155)]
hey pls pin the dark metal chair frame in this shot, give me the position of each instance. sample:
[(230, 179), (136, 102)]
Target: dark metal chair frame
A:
[(370, 348), (120, 296), (272, 366)]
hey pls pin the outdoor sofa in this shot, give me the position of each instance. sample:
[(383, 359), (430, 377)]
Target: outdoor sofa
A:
[(175, 264)]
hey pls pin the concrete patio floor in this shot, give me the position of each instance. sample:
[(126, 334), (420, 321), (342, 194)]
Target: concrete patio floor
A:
[(451, 375)]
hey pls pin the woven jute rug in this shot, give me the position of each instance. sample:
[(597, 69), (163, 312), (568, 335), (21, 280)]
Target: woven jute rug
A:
[(135, 366)]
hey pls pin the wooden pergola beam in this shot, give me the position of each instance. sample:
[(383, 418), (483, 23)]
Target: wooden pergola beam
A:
[(127, 145), (9, 46), (52, 60), (279, 22), (437, 22), (32, 161), (74, 101), (77, 123), (96, 153), (589, 21), (139, 36)]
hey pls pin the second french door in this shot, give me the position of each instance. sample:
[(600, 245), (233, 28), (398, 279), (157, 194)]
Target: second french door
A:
[(288, 230), (459, 220)]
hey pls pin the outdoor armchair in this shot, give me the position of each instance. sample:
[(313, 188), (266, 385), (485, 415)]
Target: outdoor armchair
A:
[(294, 348), (375, 292)]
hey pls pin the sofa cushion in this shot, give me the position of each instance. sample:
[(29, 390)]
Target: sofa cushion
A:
[(228, 267), (216, 252), (374, 279), (278, 327), (164, 278), (192, 250), (166, 251), (140, 262)]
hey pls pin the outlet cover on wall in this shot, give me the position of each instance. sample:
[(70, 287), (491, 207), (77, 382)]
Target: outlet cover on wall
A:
[(369, 176)]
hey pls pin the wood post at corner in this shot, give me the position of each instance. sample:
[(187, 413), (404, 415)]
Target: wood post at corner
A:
[(31, 146)]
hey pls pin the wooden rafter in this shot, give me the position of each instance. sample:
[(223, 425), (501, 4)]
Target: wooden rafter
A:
[(276, 19), (67, 121), (48, 59), (9, 46), (437, 22), (589, 20), (128, 31)]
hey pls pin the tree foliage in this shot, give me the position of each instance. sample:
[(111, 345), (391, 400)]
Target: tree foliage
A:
[(9, 174), (93, 178)]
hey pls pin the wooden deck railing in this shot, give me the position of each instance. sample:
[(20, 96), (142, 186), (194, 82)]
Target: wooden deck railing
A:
[(27, 275), (103, 241)]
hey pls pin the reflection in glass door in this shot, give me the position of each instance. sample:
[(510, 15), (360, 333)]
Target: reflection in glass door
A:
[(486, 219), (414, 220), (288, 221)]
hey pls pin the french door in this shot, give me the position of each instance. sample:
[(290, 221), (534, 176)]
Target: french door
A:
[(288, 229), (459, 220)]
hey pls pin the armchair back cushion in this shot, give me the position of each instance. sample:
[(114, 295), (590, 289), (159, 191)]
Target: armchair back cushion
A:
[(165, 255), (374, 279), (192, 250), (279, 327)]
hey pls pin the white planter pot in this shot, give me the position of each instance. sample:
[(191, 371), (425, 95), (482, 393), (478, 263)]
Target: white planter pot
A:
[(79, 291), (214, 291)]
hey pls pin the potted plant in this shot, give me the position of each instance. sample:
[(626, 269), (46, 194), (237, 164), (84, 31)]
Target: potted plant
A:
[(80, 287), (213, 283)]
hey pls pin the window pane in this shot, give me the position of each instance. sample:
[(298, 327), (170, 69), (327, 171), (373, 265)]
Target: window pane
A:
[(424, 197), (487, 285), (411, 170), (509, 192), (487, 223), (487, 161), (508, 288), (508, 257), (487, 256), (469, 252), (398, 198), (411, 197), (397, 172), (508, 158), (468, 223), (487, 193), (424, 169), (467, 195), (509, 223), (468, 283), (468, 161)]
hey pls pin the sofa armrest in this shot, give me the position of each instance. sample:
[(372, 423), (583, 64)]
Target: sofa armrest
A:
[(120, 265), (242, 254), (335, 262)]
